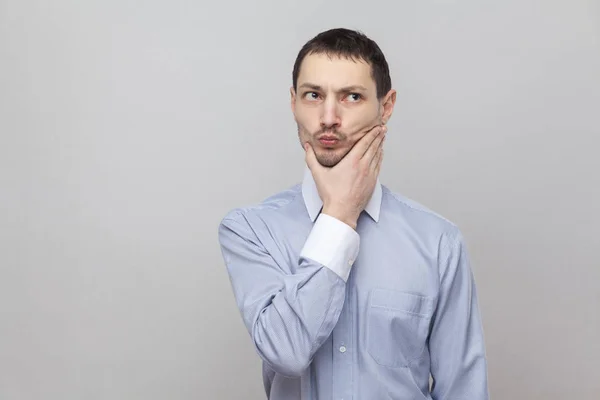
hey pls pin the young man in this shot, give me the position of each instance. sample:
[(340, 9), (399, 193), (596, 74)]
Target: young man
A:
[(348, 290)]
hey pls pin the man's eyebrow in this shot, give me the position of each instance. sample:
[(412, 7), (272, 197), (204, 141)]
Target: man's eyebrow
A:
[(345, 89), (310, 86), (352, 88)]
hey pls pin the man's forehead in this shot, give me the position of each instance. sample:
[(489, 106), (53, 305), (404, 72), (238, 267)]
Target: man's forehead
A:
[(325, 70)]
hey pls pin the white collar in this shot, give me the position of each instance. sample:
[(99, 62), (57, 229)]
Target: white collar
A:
[(313, 201)]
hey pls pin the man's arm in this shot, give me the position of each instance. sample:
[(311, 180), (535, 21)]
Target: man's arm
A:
[(289, 316), (458, 359)]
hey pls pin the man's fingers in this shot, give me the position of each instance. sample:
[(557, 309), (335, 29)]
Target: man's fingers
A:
[(311, 159), (375, 158), (360, 148), (373, 149), (374, 144), (379, 162)]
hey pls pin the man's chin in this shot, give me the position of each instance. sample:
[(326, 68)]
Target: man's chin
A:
[(328, 163), (329, 160)]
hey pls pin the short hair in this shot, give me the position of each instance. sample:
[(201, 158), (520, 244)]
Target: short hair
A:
[(351, 44)]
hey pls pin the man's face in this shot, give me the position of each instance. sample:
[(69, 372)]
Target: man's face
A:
[(335, 105)]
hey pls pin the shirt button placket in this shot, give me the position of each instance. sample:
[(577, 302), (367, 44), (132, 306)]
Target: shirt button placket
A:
[(342, 358)]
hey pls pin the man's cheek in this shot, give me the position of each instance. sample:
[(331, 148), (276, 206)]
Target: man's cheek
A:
[(364, 127)]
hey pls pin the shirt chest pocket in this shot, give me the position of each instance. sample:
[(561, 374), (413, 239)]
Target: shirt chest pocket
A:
[(397, 326)]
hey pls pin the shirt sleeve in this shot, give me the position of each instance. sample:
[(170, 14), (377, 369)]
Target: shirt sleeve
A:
[(457, 350), (338, 255), (289, 310)]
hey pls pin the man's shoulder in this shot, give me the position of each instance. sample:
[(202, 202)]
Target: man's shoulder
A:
[(273, 204), (417, 214)]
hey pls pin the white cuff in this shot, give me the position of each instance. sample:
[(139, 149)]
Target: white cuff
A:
[(333, 244)]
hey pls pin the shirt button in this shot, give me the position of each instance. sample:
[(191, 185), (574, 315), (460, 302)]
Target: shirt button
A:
[(350, 262), (342, 349)]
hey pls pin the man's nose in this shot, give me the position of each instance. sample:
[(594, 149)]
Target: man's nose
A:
[(330, 116)]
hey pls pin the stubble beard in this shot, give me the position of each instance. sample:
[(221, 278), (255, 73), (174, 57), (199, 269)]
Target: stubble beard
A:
[(328, 158)]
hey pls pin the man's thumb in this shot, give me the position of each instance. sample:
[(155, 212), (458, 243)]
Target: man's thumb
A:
[(311, 159)]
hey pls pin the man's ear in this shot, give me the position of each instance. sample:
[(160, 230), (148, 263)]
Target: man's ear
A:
[(388, 102), (293, 99)]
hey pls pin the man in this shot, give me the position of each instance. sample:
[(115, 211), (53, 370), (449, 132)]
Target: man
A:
[(348, 290)]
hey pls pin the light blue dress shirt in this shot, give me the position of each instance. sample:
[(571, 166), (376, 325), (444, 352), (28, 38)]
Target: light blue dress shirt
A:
[(369, 314)]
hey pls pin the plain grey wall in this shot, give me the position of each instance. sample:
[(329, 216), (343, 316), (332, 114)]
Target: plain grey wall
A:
[(129, 128)]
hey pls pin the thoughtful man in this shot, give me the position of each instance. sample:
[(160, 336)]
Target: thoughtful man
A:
[(349, 290)]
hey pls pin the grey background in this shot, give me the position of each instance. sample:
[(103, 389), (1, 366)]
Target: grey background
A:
[(129, 128)]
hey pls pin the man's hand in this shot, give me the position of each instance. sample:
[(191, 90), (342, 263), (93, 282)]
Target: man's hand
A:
[(347, 187)]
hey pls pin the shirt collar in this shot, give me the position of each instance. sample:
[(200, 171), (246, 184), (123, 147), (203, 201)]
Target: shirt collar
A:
[(313, 201)]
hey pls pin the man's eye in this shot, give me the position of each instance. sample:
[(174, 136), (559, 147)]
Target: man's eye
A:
[(353, 97), (311, 95)]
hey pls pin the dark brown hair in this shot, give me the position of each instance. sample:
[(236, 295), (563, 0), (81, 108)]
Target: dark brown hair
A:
[(350, 44)]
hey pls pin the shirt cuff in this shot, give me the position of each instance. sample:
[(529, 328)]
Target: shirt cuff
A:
[(333, 244)]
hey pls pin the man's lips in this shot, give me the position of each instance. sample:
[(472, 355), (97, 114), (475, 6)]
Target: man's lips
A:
[(328, 140)]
